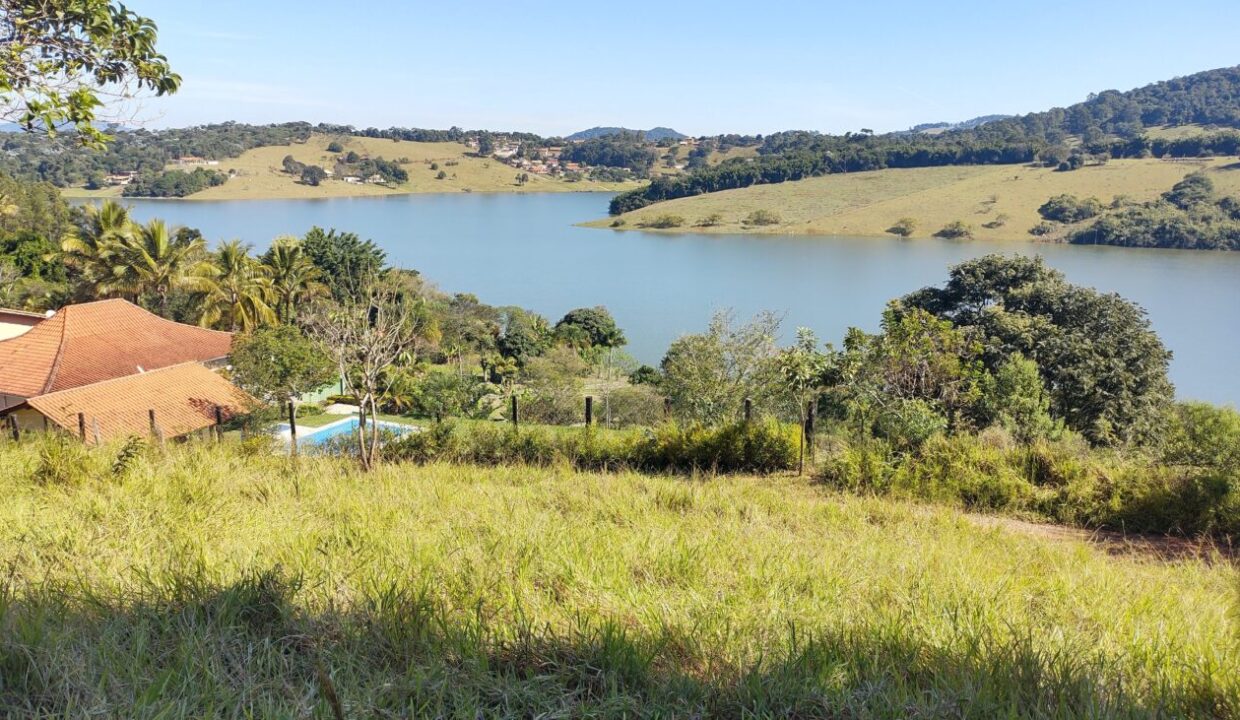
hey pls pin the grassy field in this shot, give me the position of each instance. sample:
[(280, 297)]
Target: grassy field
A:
[(259, 173), (208, 583), (870, 202)]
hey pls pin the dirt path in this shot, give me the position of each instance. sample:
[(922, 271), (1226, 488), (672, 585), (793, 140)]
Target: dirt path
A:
[(1159, 547)]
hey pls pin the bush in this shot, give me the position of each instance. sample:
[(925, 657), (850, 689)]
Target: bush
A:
[(710, 220), (664, 222), (1064, 481), (904, 227), (334, 147), (1069, 209), (955, 230), (1042, 228), (761, 217), (628, 406), (758, 447)]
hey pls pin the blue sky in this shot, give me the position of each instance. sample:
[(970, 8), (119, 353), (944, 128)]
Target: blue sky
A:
[(702, 68)]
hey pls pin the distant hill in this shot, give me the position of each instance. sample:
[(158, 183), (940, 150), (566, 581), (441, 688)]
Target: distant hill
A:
[(966, 125), (653, 134)]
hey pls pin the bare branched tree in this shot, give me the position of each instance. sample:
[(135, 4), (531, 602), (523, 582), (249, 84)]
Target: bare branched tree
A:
[(372, 329)]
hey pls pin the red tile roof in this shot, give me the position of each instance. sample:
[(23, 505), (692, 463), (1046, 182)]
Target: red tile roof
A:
[(184, 398), (90, 342)]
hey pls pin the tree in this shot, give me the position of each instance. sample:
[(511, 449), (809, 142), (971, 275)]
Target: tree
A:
[(239, 298), (525, 335), (598, 325), (708, 376), (904, 227), (1014, 398), (60, 56), (366, 333), (1103, 367), (1195, 189), (313, 175), (155, 261), (486, 145), (335, 146), (292, 166), (88, 246), (278, 364), (346, 261), (293, 275)]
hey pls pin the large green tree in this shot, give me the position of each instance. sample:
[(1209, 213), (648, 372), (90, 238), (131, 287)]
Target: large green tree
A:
[(1103, 366), (156, 261), (294, 276), (347, 262), (278, 364), (62, 59)]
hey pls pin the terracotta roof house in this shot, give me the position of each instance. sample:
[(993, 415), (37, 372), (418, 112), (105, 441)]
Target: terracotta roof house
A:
[(100, 358), (18, 322), (184, 399)]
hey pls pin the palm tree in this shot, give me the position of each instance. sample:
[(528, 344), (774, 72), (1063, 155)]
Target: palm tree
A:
[(88, 248), (293, 275), (153, 260), (241, 297)]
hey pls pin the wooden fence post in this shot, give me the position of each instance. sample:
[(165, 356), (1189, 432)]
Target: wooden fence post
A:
[(292, 428), (589, 411), (219, 420), (82, 426), (748, 411), (667, 408), (810, 417), (17, 431), (515, 416)]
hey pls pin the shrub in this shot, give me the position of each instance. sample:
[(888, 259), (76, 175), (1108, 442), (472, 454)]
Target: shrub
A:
[(761, 217), (1064, 481), (1042, 228), (441, 175), (334, 147), (1069, 209), (663, 222), (955, 230), (999, 221), (904, 227), (758, 447), (619, 222), (710, 220)]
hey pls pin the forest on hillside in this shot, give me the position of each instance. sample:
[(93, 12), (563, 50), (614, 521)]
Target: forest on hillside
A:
[(1110, 124)]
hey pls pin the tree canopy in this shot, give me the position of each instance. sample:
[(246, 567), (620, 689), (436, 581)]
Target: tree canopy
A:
[(61, 56)]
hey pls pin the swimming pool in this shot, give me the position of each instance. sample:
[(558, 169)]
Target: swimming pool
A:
[(345, 427)]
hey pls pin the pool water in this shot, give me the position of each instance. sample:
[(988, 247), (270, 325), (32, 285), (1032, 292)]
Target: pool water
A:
[(343, 428)]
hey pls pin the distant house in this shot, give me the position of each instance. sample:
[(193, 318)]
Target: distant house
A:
[(352, 179), (376, 179), (121, 178), (18, 322), (99, 369)]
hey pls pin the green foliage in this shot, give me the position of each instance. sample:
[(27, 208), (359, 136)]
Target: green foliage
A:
[(278, 364), (1103, 367), (554, 387), (711, 220), (904, 227), (596, 325), (707, 376), (621, 150), (1069, 209), (645, 375), (1195, 189), (335, 146), (664, 222), (525, 335), (1015, 399), (346, 261), (174, 183), (448, 394), (1061, 481), (759, 218), (758, 447), (313, 175), (957, 229), (61, 55)]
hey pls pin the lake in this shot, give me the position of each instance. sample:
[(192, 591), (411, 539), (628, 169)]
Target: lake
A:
[(524, 250)]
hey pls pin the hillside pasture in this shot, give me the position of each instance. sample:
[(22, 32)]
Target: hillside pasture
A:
[(868, 203)]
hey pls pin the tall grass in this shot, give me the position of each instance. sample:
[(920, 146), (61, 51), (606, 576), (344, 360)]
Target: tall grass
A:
[(207, 583)]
